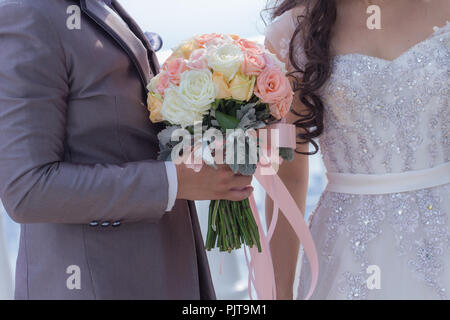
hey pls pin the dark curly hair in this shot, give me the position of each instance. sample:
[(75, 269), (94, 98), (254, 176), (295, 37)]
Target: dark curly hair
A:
[(313, 33)]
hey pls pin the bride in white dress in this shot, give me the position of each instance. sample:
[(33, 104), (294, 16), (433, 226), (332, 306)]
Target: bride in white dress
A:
[(382, 225)]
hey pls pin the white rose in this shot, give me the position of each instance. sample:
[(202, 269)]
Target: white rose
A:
[(226, 59), (176, 109), (198, 89)]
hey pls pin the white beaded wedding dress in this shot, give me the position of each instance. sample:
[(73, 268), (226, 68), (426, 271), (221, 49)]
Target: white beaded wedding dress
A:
[(382, 225)]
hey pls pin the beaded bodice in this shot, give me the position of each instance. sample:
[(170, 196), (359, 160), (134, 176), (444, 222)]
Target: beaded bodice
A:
[(385, 116), (389, 116)]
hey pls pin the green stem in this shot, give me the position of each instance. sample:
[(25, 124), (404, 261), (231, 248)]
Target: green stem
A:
[(252, 224), (209, 245), (223, 230), (243, 227), (214, 215), (229, 230), (235, 216), (231, 214)]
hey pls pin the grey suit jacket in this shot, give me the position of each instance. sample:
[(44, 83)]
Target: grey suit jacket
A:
[(77, 166)]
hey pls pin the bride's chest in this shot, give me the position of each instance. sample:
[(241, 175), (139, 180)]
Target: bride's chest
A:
[(369, 89)]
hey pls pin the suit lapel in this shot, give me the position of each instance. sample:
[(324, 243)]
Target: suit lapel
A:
[(140, 34), (100, 13)]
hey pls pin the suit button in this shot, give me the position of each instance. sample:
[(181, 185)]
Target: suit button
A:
[(105, 224), (116, 224), (93, 224)]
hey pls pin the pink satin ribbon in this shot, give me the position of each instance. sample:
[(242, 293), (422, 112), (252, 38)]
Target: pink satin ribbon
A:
[(260, 265), (261, 270)]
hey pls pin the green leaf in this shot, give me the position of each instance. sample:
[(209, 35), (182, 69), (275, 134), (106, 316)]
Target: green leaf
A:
[(287, 154), (226, 121), (215, 105)]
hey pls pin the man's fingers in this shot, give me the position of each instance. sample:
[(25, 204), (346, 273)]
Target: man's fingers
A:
[(239, 182), (239, 195)]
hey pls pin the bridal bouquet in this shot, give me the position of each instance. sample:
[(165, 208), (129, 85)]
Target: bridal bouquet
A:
[(228, 88)]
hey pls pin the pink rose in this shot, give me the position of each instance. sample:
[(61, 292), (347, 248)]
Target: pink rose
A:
[(163, 83), (174, 69), (198, 60), (272, 85), (204, 38), (253, 63), (281, 108), (247, 45)]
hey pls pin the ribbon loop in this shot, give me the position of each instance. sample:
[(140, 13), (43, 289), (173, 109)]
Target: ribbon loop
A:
[(261, 270), (260, 265)]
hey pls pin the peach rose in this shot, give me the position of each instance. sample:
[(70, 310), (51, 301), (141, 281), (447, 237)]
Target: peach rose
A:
[(160, 83), (222, 88), (272, 85), (154, 105), (198, 60), (204, 38), (252, 46), (253, 63), (185, 49), (281, 108), (174, 69)]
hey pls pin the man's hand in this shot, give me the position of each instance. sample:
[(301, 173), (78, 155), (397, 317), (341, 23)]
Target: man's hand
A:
[(212, 184)]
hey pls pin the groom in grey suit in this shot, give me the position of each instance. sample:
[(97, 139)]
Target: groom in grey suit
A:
[(98, 213)]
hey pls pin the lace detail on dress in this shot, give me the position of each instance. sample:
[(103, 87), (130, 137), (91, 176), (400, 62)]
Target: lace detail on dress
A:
[(284, 48), (374, 126), (417, 220)]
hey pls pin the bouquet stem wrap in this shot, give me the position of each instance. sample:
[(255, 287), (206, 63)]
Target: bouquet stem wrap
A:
[(261, 270)]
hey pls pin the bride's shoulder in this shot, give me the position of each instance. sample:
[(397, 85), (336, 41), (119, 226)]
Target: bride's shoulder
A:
[(283, 25), (280, 31)]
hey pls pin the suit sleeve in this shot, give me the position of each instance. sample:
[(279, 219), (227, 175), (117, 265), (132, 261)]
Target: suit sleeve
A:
[(36, 185)]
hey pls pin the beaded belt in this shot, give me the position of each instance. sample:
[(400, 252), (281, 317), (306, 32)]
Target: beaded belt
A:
[(388, 183)]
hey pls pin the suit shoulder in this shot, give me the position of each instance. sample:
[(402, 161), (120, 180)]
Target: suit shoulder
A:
[(49, 8), (45, 4)]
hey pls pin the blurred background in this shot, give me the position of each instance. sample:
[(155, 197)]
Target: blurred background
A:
[(175, 21)]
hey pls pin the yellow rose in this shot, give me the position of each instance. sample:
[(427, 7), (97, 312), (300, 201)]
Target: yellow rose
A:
[(154, 104), (223, 91), (242, 87), (185, 49)]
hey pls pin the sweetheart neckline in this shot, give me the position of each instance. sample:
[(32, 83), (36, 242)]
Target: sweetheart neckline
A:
[(404, 53)]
